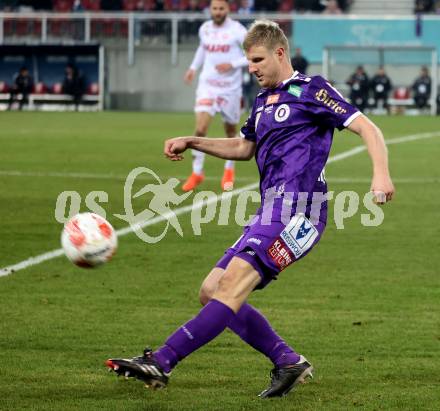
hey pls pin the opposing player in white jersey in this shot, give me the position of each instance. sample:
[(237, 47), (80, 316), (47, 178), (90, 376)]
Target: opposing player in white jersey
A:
[(219, 89)]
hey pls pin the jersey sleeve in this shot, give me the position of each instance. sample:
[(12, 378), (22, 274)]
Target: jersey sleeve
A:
[(328, 105), (198, 58), (241, 34)]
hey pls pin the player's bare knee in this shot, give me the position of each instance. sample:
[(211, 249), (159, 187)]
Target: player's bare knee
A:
[(227, 286), (205, 294)]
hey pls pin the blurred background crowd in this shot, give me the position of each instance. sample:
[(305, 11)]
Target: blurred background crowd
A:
[(240, 6)]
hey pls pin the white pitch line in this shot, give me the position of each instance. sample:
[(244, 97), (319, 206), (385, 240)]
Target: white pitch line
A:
[(99, 176), (109, 176), (182, 210)]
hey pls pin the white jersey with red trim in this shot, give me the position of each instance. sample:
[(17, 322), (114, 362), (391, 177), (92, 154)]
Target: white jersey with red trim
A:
[(218, 45)]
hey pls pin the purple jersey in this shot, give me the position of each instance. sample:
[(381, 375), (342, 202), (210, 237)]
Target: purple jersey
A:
[(293, 127)]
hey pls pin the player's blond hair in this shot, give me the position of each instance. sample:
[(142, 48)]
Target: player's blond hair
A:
[(268, 34)]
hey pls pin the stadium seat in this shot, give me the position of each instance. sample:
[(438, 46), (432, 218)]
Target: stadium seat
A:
[(146, 5), (22, 27), (171, 5), (8, 27), (3, 87), (401, 93), (57, 88), (63, 6), (129, 5), (92, 5), (36, 27), (93, 89), (39, 88)]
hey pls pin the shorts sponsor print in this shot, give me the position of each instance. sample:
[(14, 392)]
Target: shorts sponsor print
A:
[(272, 248), (215, 101)]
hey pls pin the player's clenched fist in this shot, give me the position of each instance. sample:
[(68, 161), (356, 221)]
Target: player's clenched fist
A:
[(174, 147), (383, 189)]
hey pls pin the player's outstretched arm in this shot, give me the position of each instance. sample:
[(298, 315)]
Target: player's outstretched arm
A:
[(227, 148), (381, 185)]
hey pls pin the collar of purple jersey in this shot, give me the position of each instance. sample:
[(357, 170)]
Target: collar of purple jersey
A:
[(293, 77), (280, 85)]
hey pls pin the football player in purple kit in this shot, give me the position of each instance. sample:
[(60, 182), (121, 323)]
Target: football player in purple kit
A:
[(289, 132)]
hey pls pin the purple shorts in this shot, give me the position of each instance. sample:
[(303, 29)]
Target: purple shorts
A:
[(272, 248)]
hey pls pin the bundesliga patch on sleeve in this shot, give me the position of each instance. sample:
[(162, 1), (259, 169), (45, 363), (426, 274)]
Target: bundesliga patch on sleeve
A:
[(299, 235), (295, 90)]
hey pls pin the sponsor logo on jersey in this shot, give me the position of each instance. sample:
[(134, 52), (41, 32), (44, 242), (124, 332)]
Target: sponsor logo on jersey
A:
[(273, 99), (282, 113), (299, 235), (280, 254), (295, 90), (254, 240), (268, 109), (217, 48), (323, 97)]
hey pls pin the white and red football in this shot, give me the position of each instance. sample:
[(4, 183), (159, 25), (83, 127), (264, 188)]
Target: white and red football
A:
[(89, 240)]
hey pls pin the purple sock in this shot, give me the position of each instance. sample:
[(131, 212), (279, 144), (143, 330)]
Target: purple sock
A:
[(212, 319), (253, 328)]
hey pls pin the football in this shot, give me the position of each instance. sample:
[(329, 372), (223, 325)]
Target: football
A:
[(88, 240)]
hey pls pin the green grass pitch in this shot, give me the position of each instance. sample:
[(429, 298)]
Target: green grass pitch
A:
[(364, 306)]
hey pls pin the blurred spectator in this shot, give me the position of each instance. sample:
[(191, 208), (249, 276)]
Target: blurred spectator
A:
[(111, 5), (77, 6), (332, 7), (245, 7), (73, 84), (422, 88), (424, 6), (381, 87), (299, 62), (8, 5), (267, 5), (437, 7), (359, 87), (22, 86)]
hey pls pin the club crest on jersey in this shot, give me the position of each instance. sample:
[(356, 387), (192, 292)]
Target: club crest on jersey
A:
[(299, 235), (273, 99), (282, 113)]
